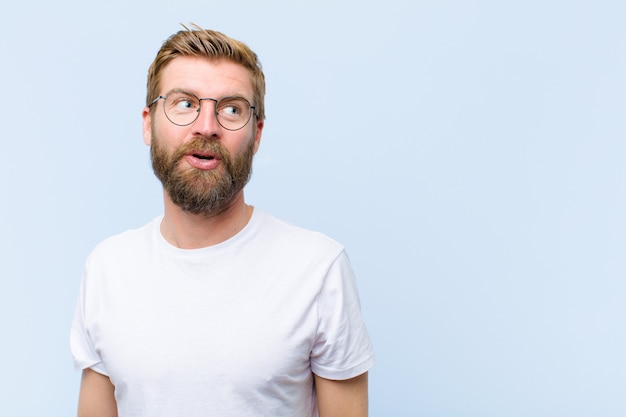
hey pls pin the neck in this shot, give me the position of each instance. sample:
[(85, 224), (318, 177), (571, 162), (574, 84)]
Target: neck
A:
[(192, 231)]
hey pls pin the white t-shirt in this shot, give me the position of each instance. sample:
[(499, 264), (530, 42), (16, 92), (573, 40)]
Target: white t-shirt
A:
[(234, 329)]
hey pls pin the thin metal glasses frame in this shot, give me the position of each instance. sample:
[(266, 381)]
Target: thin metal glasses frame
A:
[(216, 101)]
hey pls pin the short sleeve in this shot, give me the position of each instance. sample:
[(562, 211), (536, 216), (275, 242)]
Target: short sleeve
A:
[(81, 345), (342, 348)]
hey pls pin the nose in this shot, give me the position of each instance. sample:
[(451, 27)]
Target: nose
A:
[(206, 124)]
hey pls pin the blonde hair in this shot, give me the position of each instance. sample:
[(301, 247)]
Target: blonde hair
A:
[(213, 45)]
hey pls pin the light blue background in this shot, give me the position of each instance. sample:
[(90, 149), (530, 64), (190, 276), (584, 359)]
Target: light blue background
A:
[(470, 155)]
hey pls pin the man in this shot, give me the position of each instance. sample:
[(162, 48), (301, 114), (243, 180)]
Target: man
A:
[(216, 308)]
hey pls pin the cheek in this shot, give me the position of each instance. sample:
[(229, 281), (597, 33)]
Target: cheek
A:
[(168, 135), (248, 143)]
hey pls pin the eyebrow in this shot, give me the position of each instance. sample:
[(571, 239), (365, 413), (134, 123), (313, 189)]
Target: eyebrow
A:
[(181, 90)]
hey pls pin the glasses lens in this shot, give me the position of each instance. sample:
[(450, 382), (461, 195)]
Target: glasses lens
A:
[(181, 108), (233, 112)]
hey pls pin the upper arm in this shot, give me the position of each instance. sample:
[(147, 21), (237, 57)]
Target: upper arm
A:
[(97, 396), (342, 398)]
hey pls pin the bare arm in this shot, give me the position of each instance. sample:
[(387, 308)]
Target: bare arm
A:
[(96, 398), (347, 398)]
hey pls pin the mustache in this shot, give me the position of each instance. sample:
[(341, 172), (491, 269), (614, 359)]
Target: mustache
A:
[(201, 144)]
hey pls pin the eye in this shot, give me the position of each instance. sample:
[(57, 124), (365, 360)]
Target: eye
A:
[(182, 103), (230, 109), (233, 108)]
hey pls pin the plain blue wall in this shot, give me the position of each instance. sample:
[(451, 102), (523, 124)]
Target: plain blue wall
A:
[(470, 155)]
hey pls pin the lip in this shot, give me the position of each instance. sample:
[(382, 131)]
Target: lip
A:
[(203, 160)]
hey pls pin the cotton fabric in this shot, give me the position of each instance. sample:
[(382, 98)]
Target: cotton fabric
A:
[(236, 329)]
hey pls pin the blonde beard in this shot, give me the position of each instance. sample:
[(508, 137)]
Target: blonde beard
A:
[(196, 191)]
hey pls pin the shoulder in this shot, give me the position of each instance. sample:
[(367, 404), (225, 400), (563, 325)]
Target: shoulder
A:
[(280, 231), (124, 244)]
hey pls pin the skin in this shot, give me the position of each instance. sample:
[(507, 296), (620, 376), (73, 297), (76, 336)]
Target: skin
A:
[(96, 397), (205, 79), (344, 398), (216, 79)]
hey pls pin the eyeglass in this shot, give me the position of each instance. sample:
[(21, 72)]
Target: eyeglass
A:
[(182, 109)]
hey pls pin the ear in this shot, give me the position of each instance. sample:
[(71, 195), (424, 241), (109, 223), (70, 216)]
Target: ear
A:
[(147, 126), (258, 134)]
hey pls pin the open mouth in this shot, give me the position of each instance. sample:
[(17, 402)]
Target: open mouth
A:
[(202, 159), (204, 155)]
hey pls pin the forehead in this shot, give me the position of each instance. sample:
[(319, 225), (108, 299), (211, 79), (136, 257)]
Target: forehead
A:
[(206, 78)]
